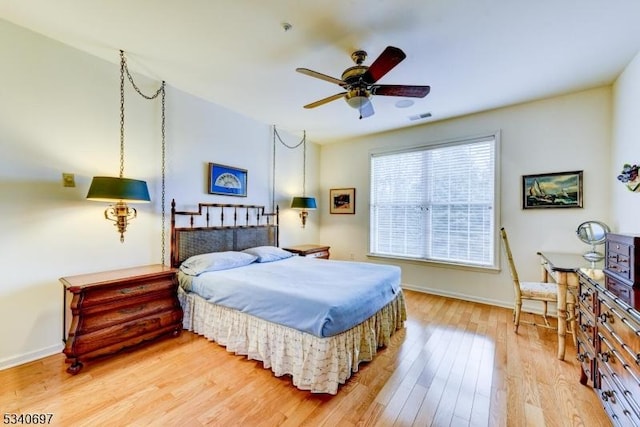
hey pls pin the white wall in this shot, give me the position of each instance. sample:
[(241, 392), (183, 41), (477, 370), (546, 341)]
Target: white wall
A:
[(566, 133), (203, 132), (626, 147), (59, 112)]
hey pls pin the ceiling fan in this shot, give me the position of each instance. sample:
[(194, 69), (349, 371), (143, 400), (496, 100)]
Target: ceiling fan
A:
[(359, 81)]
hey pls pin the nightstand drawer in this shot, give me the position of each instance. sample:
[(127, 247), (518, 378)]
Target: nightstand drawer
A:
[(127, 290), (115, 334), (100, 317), (310, 251), (320, 254)]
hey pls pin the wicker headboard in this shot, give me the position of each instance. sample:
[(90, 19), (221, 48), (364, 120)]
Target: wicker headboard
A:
[(220, 227)]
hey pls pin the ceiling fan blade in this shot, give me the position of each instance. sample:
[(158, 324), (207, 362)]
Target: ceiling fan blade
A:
[(401, 90), (320, 76), (366, 110), (388, 59), (325, 100)]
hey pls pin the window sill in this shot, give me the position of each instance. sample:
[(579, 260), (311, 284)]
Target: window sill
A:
[(439, 264)]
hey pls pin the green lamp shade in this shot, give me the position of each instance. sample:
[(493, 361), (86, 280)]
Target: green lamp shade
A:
[(303, 203), (108, 189)]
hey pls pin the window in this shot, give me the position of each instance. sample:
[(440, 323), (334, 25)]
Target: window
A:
[(436, 203)]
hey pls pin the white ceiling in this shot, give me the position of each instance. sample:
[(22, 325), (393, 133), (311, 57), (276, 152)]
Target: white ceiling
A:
[(475, 54)]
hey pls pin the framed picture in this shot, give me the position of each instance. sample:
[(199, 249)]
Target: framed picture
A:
[(342, 201), (552, 190), (227, 180)]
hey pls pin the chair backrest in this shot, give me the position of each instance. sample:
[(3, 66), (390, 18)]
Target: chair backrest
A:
[(512, 266)]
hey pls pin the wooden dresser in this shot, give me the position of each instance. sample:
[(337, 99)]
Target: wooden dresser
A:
[(108, 311), (622, 267), (609, 330)]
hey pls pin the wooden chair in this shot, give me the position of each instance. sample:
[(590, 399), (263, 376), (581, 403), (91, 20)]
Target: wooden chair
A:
[(535, 291)]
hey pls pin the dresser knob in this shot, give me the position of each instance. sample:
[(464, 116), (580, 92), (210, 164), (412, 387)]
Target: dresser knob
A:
[(126, 291), (131, 310), (608, 394), (604, 316)]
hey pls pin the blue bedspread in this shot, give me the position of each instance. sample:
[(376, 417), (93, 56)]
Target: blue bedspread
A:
[(321, 297)]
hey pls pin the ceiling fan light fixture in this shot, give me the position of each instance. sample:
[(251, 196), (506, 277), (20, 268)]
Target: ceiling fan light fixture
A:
[(357, 98), (357, 102)]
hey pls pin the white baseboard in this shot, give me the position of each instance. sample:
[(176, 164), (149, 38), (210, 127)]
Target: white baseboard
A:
[(537, 308), (30, 357)]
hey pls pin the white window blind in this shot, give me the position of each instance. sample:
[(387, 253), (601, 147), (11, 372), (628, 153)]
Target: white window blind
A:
[(435, 203)]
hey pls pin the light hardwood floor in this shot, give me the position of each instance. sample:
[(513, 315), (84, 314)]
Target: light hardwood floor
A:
[(455, 363)]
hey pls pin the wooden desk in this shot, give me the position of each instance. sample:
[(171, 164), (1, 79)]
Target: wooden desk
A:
[(563, 269)]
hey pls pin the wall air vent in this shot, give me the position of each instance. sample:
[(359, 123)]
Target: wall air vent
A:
[(420, 116)]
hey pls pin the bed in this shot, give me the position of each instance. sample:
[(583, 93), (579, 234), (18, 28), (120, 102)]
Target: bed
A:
[(297, 315)]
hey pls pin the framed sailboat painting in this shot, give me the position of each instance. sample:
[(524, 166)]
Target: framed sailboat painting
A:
[(552, 190)]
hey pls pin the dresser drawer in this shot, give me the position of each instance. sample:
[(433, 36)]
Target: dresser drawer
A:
[(587, 297), (103, 295), (621, 326), (618, 252), (622, 291), (587, 327), (620, 269), (614, 400), (626, 375), (586, 356)]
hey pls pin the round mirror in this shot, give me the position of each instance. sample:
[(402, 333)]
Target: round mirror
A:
[(593, 233)]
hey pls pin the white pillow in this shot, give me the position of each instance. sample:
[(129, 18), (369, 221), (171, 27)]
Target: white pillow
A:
[(215, 261), (268, 253)]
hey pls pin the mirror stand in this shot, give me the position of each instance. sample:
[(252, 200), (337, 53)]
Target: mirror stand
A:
[(593, 255), (593, 233)]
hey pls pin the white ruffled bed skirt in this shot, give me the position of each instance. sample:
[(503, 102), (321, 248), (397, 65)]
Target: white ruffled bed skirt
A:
[(319, 365)]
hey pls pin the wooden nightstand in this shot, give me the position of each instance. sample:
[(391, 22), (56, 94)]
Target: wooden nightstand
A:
[(108, 311), (312, 251)]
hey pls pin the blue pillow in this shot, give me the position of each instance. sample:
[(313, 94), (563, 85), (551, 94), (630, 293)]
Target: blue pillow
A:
[(268, 253), (215, 261)]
